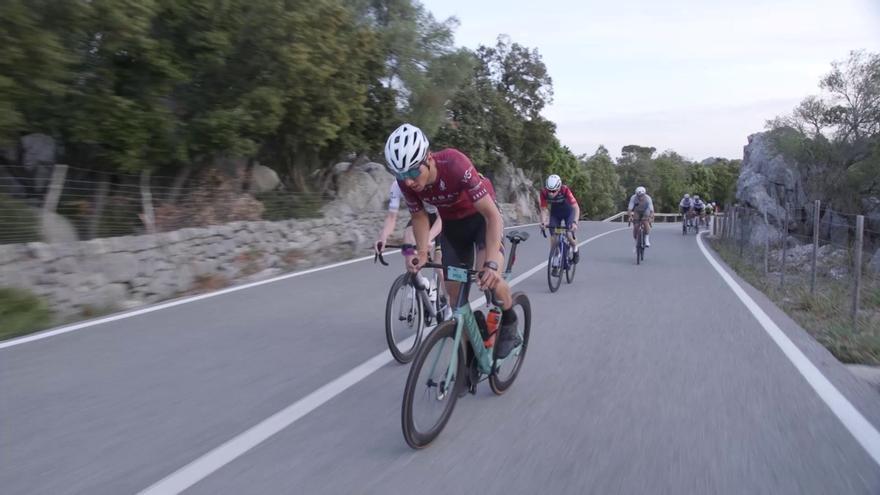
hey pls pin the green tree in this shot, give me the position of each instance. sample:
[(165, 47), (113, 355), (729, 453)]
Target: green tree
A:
[(115, 114), (833, 139), (700, 180), (519, 74), (669, 181), (419, 58), (633, 153), (726, 173), (35, 67), (605, 190)]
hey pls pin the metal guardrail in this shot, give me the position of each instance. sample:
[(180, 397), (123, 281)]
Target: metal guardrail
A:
[(676, 217)]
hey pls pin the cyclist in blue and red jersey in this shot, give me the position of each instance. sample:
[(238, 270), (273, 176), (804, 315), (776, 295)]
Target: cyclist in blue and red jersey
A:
[(471, 219), (560, 205)]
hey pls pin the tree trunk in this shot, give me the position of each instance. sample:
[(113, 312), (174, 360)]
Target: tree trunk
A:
[(179, 181), (246, 178), (148, 216)]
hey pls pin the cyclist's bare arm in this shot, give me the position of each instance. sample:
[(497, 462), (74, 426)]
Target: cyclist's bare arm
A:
[(387, 227), (545, 216), (492, 279), (436, 228), (494, 229), (421, 230)]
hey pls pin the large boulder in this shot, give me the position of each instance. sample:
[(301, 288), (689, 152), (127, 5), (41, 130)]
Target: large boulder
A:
[(871, 207), (363, 187), (834, 227), (263, 179), (54, 228), (514, 187), (768, 180)]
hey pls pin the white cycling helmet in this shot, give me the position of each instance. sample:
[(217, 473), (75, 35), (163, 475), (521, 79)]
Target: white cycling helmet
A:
[(641, 190), (554, 182), (405, 149), (696, 196), (687, 196)]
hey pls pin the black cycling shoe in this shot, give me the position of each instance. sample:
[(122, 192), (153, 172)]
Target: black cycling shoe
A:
[(508, 339), (576, 257)]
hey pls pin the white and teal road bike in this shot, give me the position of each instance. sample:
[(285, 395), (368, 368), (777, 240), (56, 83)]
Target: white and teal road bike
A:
[(454, 358)]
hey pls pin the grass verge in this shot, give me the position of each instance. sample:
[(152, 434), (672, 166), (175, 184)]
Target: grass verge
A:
[(21, 313), (826, 315)]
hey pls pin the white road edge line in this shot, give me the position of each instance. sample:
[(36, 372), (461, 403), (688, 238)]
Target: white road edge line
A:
[(237, 446), (860, 428), (177, 302)]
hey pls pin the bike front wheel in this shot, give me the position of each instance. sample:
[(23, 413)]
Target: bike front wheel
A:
[(404, 319), (506, 370), (428, 399), (554, 268)]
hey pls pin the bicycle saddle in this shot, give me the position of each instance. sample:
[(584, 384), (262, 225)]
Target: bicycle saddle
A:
[(517, 236)]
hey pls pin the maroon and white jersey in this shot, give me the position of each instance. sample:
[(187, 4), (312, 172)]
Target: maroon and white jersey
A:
[(457, 188)]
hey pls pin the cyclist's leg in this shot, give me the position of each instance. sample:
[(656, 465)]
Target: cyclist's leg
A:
[(554, 222), (451, 257), (457, 245), (569, 222), (408, 238), (508, 337)]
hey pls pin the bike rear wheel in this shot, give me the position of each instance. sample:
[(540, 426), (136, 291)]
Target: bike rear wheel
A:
[(506, 371), (404, 319), (428, 400), (640, 246), (554, 273)]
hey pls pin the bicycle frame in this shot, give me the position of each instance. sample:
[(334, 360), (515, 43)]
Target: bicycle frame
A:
[(561, 235), (465, 321)]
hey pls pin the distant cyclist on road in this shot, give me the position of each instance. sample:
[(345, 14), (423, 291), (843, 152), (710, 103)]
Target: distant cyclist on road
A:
[(471, 219), (641, 209), (563, 208), (699, 207), (685, 206)]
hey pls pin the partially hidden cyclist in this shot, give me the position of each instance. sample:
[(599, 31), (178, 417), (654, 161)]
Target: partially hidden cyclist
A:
[(471, 219), (641, 210), (394, 196), (699, 207), (685, 205), (563, 207)]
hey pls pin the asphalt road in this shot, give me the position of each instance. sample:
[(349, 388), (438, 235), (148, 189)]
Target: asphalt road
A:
[(639, 379)]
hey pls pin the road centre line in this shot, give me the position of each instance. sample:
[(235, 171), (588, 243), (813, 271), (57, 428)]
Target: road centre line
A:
[(237, 446)]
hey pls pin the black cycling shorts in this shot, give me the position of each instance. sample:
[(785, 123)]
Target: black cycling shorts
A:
[(461, 238), (432, 217)]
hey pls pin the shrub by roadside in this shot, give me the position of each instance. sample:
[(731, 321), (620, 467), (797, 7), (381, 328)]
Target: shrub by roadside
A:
[(824, 315), (21, 312)]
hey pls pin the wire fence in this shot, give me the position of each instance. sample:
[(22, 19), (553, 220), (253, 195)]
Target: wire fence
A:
[(76, 203), (820, 265)]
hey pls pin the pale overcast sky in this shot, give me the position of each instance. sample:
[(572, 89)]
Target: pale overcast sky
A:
[(694, 76)]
